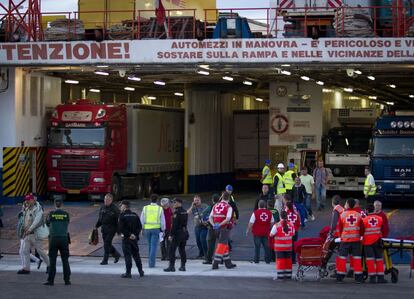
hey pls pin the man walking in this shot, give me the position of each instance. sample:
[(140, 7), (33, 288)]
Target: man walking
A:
[(58, 222), (153, 220), (130, 227), (266, 178), (370, 189), (168, 215), (179, 236), (200, 226), (108, 221), (32, 220), (320, 175), (279, 187), (309, 183)]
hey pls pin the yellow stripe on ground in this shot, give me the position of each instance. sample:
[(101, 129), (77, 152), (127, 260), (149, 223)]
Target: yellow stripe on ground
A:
[(389, 214)]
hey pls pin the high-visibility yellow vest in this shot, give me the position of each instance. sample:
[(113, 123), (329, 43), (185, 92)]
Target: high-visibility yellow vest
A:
[(296, 169), (280, 188), (268, 178), (152, 217), (288, 179), (366, 187)]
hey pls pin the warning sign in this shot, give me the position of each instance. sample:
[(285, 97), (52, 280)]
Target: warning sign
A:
[(279, 124)]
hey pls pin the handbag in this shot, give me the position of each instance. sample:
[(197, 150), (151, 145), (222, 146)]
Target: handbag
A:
[(42, 232), (94, 237)]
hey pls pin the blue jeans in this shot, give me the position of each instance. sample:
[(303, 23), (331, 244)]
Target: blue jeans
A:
[(153, 236), (201, 239), (302, 213), (320, 191), (308, 203)]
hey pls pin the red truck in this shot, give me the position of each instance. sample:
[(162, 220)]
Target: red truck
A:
[(130, 150)]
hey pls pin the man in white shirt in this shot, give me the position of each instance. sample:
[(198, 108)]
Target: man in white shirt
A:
[(309, 183)]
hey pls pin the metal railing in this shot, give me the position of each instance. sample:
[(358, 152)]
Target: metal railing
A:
[(316, 22)]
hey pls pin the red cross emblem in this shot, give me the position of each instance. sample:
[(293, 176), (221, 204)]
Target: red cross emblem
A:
[(219, 208), (351, 220), (289, 232), (372, 221), (264, 217), (292, 217)]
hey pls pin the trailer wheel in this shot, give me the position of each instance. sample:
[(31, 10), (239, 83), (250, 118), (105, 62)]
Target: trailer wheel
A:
[(139, 188), (148, 187), (116, 188)]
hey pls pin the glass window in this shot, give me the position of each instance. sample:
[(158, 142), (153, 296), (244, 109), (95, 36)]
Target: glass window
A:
[(349, 143), (77, 137), (391, 146)]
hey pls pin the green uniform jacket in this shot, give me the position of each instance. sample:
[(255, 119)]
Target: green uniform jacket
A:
[(58, 221)]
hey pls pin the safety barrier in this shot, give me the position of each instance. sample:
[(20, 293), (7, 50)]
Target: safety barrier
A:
[(369, 21)]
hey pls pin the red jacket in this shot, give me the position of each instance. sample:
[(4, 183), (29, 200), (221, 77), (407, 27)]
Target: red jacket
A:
[(372, 229), (355, 220), (262, 223), (294, 218), (168, 215), (385, 225)]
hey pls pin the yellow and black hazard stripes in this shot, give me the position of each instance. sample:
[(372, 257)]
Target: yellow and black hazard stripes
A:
[(16, 171), (41, 172)]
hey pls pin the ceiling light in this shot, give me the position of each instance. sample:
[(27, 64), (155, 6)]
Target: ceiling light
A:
[(348, 89), (179, 13), (392, 86), (411, 96), (159, 83), (326, 90), (94, 90), (306, 78), (390, 103), (133, 78), (372, 97), (204, 66), (179, 94), (151, 98), (371, 78), (358, 72), (102, 66), (205, 73), (259, 99), (228, 78), (129, 88), (247, 82), (71, 81), (287, 73), (285, 65), (102, 73), (320, 83)]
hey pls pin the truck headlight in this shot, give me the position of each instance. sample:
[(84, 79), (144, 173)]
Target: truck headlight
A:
[(51, 179), (101, 113), (99, 180)]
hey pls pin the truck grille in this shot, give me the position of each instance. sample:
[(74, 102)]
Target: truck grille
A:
[(74, 180), (400, 172), (78, 162)]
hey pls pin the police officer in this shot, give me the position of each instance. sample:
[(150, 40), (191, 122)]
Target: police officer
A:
[(178, 236), (108, 220), (369, 186), (58, 221), (130, 227), (267, 175)]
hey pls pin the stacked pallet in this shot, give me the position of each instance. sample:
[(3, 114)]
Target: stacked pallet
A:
[(355, 22), (119, 32), (65, 29)]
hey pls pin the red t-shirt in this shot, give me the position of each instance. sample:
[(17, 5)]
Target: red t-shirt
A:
[(168, 215), (385, 225)]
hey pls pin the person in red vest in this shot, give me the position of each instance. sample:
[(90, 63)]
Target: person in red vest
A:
[(350, 227), (294, 218), (283, 233), (221, 218), (260, 224), (373, 231), (168, 216), (337, 210), (380, 212)]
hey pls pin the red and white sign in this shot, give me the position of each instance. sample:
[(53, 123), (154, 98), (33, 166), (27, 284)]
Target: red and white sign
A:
[(279, 124), (340, 50)]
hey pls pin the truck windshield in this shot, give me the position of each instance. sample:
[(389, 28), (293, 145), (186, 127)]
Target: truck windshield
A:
[(391, 146), (350, 143), (77, 137)]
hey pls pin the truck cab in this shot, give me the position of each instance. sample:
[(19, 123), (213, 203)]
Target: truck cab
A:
[(392, 156)]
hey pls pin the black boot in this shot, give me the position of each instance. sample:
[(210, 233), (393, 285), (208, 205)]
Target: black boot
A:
[(372, 279), (215, 265), (141, 273), (229, 264), (350, 274), (381, 279), (126, 275), (206, 262), (359, 278), (171, 268), (182, 268), (339, 277)]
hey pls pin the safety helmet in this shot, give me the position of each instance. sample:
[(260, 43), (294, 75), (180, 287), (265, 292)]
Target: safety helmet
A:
[(280, 165), (267, 161), (229, 188)]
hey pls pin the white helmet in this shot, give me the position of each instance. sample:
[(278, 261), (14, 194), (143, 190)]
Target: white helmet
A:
[(280, 165)]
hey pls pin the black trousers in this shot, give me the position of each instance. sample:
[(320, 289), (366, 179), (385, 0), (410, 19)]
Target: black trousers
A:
[(211, 244), (131, 250), (180, 243), (59, 244), (165, 244), (109, 249)]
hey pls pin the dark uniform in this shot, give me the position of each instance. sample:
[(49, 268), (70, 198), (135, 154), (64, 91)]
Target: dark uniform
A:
[(108, 219), (58, 221), (179, 234), (129, 223)]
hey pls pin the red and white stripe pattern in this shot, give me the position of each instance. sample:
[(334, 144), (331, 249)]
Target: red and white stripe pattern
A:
[(334, 3), (287, 4)]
